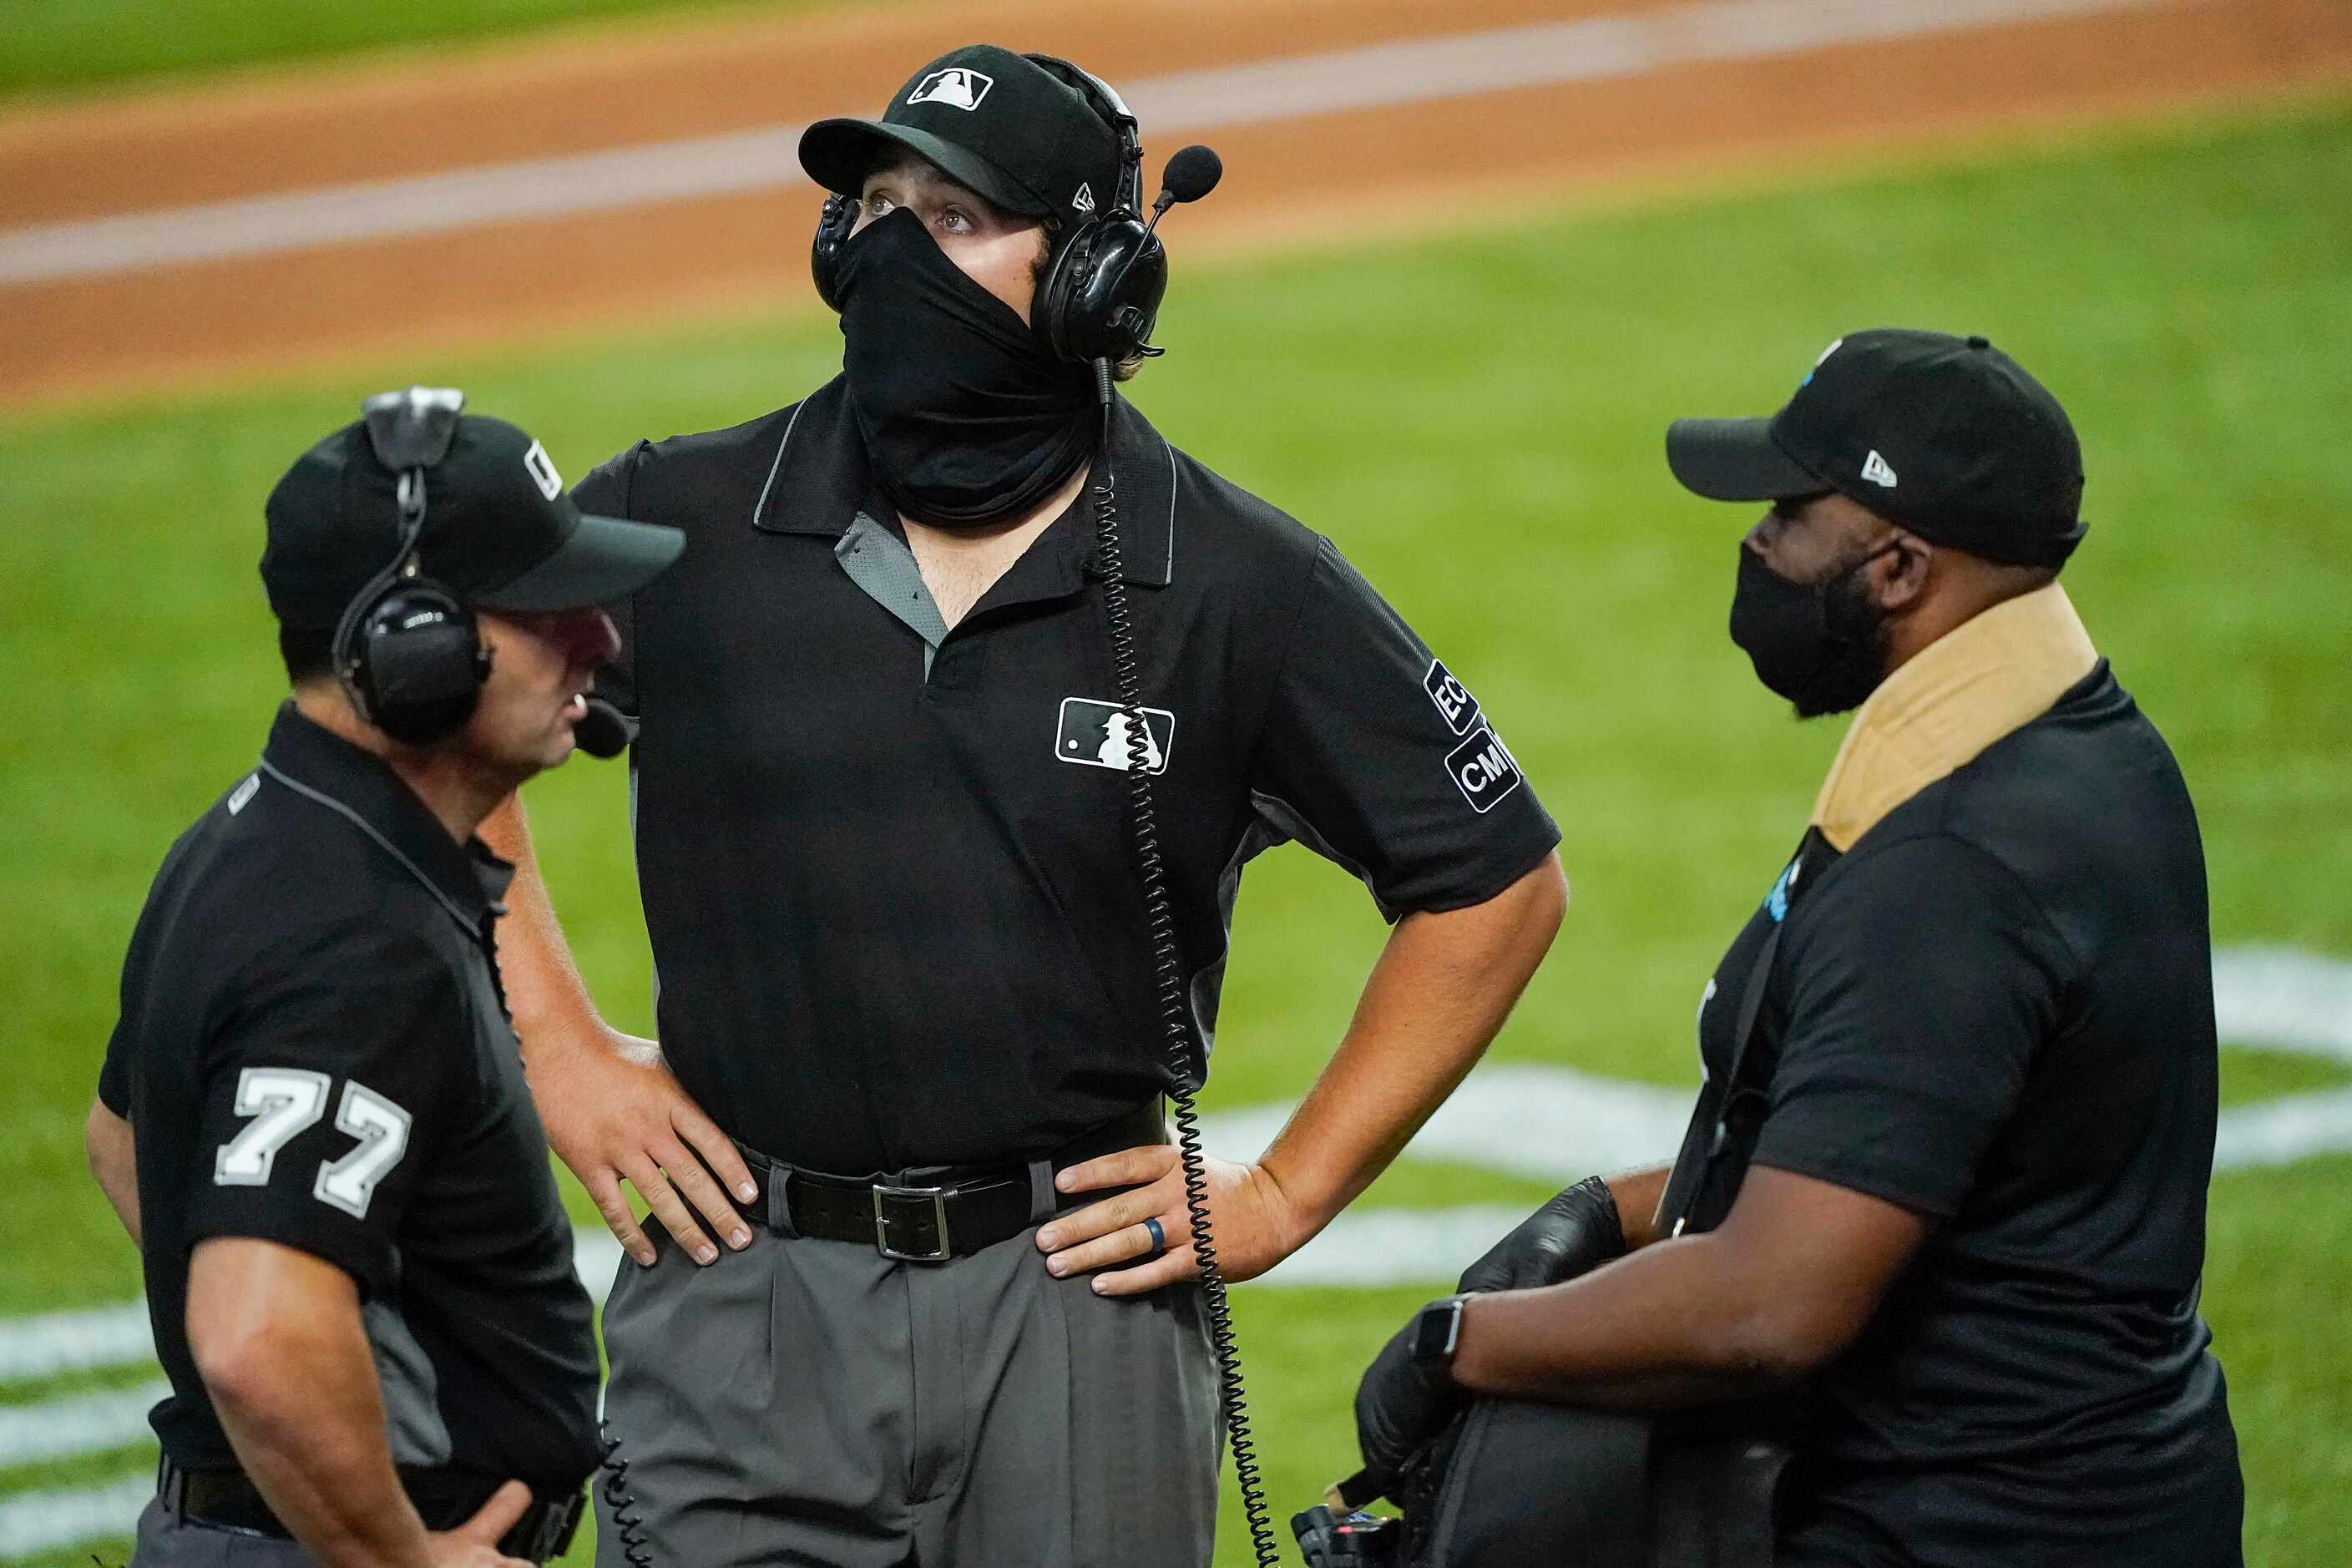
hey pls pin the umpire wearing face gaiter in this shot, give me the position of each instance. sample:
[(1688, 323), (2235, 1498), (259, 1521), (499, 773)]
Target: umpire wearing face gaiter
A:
[(923, 1287), (967, 417)]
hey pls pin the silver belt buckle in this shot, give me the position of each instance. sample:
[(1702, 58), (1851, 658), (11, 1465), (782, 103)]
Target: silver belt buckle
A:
[(939, 1251)]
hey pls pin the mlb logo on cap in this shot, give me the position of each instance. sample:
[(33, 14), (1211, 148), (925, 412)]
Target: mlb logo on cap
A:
[(958, 87)]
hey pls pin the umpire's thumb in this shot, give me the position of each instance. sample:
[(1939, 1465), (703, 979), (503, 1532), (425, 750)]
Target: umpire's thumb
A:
[(496, 1517)]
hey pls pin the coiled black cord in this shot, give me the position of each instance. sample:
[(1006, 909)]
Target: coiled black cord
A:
[(620, 1504), (1167, 969)]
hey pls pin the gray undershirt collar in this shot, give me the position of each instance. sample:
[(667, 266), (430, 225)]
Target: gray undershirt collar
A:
[(879, 562)]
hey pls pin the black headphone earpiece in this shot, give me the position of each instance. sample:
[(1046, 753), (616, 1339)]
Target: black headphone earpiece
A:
[(833, 227), (408, 652), (1102, 286), (1100, 295)]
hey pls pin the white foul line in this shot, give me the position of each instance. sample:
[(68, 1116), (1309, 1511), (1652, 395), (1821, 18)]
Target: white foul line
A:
[(1551, 54), (52, 1343), (78, 1423), (2284, 999), (35, 1523)]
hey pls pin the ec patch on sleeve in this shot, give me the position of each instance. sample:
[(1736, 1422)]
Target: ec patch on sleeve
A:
[(1483, 770), (1455, 703)]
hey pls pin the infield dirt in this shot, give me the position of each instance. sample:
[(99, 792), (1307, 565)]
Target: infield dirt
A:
[(1382, 169)]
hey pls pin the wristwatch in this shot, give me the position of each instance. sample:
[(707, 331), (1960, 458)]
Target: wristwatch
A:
[(1437, 1330)]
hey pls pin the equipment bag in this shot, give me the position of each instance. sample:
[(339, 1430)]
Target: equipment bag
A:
[(1519, 1484)]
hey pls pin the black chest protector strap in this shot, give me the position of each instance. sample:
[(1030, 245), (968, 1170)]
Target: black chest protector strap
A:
[(1730, 1111)]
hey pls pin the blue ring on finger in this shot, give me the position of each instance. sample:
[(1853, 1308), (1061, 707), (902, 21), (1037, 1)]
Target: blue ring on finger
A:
[(1158, 1237)]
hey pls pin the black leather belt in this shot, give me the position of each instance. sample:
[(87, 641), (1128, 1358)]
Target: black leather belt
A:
[(227, 1499), (931, 1214)]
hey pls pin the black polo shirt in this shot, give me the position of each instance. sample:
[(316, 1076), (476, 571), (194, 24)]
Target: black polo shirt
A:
[(314, 1050), (1996, 1009), (895, 914)]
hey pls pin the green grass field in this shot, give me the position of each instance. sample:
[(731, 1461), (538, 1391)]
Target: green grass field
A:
[(1476, 416), (54, 46)]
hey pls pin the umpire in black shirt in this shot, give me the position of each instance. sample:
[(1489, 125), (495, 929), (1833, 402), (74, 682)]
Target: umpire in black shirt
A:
[(883, 839), (1962, 1054), (312, 1115)]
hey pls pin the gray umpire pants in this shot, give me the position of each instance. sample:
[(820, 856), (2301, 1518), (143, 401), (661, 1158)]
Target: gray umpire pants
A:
[(166, 1542), (810, 1402)]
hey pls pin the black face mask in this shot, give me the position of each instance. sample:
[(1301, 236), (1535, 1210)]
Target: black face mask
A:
[(1817, 643), (967, 417)]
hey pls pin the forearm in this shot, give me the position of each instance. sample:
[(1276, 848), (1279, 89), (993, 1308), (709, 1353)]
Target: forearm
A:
[(611, 1107), (291, 1378), (115, 1160), (549, 999), (1787, 1284), (327, 1473), (1676, 1322), (1441, 990)]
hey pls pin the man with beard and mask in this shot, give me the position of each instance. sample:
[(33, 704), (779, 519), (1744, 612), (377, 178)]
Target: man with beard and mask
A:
[(1948, 1173), (908, 1004)]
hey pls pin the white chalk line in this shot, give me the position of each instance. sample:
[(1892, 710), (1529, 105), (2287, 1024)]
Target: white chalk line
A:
[(1549, 1123), (76, 1424), (1593, 48), (2283, 998), (35, 1523), (54, 1342)]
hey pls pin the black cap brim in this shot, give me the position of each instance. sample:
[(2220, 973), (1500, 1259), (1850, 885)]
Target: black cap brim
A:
[(1736, 459), (602, 560), (839, 153)]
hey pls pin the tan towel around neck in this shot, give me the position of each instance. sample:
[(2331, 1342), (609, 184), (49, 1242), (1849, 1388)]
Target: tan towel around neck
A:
[(1977, 683)]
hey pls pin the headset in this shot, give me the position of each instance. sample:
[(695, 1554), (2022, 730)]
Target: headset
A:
[(407, 651), (1100, 295)]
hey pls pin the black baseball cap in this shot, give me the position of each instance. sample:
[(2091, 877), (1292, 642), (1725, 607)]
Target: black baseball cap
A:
[(499, 529), (997, 123), (1947, 437)]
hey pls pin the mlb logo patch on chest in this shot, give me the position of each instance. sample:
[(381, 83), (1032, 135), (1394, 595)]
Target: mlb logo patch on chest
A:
[(1102, 736), (1483, 770)]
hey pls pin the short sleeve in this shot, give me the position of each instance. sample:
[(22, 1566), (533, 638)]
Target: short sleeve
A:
[(114, 1077), (1376, 756), (605, 491), (322, 1095), (1921, 981), (114, 1084)]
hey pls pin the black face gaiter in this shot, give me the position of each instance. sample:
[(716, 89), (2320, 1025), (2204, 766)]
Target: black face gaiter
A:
[(968, 418), (1816, 644)]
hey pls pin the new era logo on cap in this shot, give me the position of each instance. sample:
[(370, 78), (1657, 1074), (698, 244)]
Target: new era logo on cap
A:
[(542, 468), (958, 85), (1085, 200), (1874, 470)]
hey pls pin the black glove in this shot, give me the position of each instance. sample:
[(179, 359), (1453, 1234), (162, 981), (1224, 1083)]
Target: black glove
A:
[(1403, 1404), (1574, 1234)]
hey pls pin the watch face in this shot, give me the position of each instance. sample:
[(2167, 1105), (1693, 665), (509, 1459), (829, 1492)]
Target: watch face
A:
[(1434, 1332)]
